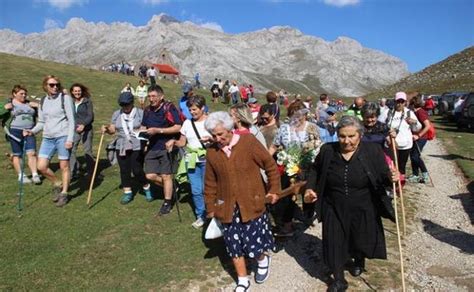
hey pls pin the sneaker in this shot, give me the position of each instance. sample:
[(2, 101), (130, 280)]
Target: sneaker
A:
[(56, 192), (198, 223), (413, 178), (126, 198), (148, 195), (165, 208), (36, 179), (63, 199), (425, 177), (263, 272), (26, 180)]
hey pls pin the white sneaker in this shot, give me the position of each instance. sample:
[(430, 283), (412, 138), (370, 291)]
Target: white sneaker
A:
[(198, 223), (36, 179), (26, 180)]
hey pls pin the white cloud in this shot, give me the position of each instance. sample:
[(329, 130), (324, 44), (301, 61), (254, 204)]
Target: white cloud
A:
[(65, 4), (52, 24), (341, 3), (212, 25), (154, 2)]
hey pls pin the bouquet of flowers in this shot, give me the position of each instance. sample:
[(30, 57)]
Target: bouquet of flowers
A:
[(296, 158)]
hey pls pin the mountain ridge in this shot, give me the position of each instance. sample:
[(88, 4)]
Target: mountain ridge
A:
[(275, 54)]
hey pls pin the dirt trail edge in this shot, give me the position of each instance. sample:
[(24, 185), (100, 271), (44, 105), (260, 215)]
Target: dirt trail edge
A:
[(438, 250)]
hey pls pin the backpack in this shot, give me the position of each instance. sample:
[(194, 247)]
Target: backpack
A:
[(169, 116)]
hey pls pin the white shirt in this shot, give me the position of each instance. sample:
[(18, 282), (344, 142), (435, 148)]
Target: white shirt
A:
[(191, 137), (233, 88), (383, 114), (404, 137), (151, 72)]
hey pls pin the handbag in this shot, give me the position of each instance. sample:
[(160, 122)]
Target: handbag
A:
[(214, 229)]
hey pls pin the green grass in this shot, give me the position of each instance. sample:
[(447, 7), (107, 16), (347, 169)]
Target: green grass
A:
[(109, 246), (458, 143)]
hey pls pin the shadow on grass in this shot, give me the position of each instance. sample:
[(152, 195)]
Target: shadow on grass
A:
[(102, 198), (216, 248), (457, 238), (452, 157), (83, 183), (467, 201)]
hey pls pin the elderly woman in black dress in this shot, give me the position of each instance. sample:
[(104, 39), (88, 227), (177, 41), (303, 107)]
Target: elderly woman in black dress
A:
[(347, 183)]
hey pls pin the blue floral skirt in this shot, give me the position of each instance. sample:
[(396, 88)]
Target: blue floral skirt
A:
[(250, 239)]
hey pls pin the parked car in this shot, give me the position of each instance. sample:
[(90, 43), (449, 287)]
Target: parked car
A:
[(466, 120), (446, 103)]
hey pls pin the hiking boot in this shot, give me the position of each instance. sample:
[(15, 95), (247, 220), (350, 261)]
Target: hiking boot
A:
[(165, 208), (126, 198), (56, 192), (148, 195), (413, 178), (63, 199), (425, 177), (198, 223), (36, 179)]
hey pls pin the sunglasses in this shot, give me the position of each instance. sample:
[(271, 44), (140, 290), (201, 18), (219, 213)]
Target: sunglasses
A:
[(54, 85)]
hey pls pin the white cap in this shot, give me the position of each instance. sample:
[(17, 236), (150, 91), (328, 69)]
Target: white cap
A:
[(401, 95)]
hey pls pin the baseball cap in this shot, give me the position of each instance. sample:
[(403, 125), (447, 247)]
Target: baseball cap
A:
[(187, 87), (252, 100), (401, 95), (125, 98)]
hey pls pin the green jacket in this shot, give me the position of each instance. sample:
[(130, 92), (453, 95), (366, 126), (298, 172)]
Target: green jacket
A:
[(192, 155)]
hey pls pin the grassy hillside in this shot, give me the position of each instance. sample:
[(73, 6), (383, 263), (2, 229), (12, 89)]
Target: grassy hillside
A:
[(455, 73), (109, 246)]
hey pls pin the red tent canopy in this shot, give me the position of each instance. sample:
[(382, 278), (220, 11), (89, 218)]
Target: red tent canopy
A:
[(166, 69)]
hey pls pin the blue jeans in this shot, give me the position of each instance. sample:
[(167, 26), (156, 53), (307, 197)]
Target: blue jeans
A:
[(196, 179), (49, 147), (417, 163)]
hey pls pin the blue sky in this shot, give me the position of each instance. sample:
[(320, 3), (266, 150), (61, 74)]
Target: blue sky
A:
[(420, 32)]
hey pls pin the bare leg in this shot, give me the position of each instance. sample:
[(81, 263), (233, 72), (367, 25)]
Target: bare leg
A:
[(43, 167), (65, 174), (32, 162), (154, 178), (167, 180), (239, 265), (16, 164)]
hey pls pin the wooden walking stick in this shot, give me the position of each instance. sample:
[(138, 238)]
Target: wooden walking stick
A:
[(89, 195), (395, 156), (398, 233)]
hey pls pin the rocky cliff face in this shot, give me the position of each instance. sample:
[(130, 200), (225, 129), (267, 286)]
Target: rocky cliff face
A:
[(278, 57)]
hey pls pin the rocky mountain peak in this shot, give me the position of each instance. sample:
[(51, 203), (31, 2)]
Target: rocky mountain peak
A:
[(270, 58)]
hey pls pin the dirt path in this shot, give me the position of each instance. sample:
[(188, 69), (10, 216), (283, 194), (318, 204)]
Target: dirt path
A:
[(439, 250)]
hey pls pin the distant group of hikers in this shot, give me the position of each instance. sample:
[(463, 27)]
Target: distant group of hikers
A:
[(235, 162)]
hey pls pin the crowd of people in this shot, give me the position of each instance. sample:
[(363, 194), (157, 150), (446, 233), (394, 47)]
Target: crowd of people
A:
[(233, 161)]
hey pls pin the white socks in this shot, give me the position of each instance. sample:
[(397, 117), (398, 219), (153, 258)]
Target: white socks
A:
[(263, 263), (242, 281)]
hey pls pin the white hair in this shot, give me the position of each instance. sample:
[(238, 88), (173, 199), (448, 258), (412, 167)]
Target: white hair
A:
[(219, 118)]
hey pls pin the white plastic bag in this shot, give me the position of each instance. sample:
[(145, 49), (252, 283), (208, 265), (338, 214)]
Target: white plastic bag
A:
[(214, 230)]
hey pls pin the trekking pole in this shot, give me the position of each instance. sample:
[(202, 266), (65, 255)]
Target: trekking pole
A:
[(398, 233), (429, 175), (395, 155), (89, 195), (19, 207), (175, 192)]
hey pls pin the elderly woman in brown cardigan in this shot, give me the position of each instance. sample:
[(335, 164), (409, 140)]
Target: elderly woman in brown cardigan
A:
[(235, 194)]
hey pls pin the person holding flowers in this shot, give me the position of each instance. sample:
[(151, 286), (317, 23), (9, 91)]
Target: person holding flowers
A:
[(297, 143)]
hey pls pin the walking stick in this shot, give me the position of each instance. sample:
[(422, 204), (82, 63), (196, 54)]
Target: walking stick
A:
[(395, 155), (176, 199), (398, 233), (89, 195), (19, 207)]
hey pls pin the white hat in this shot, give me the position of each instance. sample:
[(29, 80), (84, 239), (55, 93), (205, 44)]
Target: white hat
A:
[(401, 95)]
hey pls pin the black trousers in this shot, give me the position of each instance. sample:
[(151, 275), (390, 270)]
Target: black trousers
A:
[(403, 159), (132, 162)]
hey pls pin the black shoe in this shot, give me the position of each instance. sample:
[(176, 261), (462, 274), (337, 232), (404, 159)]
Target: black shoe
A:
[(338, 286), (356, 271), (165, 208)]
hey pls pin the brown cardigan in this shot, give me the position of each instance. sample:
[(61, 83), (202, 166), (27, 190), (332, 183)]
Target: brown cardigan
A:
[(237, 180)]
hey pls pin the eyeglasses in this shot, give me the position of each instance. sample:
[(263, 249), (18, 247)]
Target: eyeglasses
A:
[(54, 85)]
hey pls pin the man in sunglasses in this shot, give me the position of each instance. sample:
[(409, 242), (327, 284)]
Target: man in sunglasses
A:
[(56, 120)]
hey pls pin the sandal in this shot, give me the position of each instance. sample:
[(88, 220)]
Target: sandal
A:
[(260, 278)]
